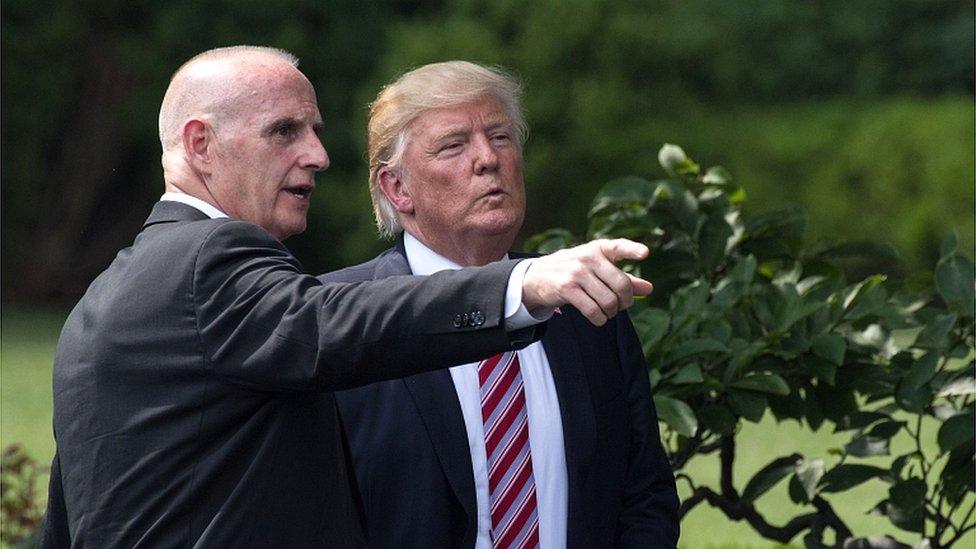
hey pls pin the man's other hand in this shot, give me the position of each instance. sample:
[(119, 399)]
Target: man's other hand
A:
[(587, 278)]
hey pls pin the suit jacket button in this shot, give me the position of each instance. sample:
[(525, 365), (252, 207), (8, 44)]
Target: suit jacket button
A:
[(478, 317), (465, 320), (457, 321)]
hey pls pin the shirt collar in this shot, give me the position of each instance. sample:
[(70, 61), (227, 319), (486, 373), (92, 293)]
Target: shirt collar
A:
[(190, 200), (423, 260)]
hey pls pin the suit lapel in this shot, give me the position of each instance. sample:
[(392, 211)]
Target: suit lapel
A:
[(566, 361), (436, 400)]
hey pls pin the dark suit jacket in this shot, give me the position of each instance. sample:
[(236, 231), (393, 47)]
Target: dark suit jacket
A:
[(410, 448), (191, 387)]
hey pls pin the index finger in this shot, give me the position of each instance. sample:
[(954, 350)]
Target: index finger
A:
[(621, 248)]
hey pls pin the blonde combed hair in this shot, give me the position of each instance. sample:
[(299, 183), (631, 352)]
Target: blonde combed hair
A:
[(429, 87)]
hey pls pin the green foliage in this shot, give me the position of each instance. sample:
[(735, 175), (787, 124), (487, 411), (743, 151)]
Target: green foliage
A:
[(20, 509), (745, 320)]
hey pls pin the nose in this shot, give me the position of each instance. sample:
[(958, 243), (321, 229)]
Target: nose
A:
[(315, 158), (486, 158)]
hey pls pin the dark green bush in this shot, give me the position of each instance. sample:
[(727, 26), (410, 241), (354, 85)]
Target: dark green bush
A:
[(746, 320)]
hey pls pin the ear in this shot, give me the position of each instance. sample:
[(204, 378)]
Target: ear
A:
[(395, 190), (198, 145)]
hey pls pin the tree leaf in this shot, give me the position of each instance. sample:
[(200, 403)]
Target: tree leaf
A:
[(934, 334), (912, 399), (678, 415), (651, 325), (830, 346), (689, 373), (848, 475), (961, 386), (696, 346), (859, 420), (763, 382), (955, 278), (717, 419), (550, 241), (906, 500), (809, 473), (712, 241), (886, 429), (821, 369), (955, 431), (674, 161), (857, 291), (769, 476), (922, 370), (717, 175), (748, 404), (867, 446)]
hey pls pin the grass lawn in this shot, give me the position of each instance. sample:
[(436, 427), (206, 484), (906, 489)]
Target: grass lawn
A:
[(28, 338)]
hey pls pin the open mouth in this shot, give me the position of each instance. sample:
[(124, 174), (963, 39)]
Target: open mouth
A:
[(300, 192)]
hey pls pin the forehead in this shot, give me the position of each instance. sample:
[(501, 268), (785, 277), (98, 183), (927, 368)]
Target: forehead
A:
[(269, 95), (471, 116)]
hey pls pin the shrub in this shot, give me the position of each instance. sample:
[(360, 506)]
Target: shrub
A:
[(20, 510), (745, 320)]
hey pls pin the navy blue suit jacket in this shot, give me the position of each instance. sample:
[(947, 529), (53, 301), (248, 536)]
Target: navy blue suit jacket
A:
[(410, 451)]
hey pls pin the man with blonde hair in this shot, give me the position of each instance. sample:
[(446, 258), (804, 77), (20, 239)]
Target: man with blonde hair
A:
[(193, 382), (555, 445)]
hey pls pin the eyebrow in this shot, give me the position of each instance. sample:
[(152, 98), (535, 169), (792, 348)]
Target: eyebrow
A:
[(289, 121), (463, 130)]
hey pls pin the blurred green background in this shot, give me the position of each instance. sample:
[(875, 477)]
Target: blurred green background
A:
[(861, 112)]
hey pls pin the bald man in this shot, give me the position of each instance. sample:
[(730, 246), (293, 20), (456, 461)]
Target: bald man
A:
[(192, 382)]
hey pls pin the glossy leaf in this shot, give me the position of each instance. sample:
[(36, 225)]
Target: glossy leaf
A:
[(830, 346), (955, 278), (867, 446), (763, 382), (921, 371), (769, 476), (678, 415), (809, 473), (848, 475), (712, 240), (689, 373), (696, 346), (748, 404), (906, 501), (717, 419), (956, 430)]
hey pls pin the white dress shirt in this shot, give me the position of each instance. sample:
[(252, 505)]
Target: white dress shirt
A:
[(190, 200), (545, 423)]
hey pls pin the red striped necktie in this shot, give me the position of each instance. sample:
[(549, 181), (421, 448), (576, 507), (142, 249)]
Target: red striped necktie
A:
[(511, 486)]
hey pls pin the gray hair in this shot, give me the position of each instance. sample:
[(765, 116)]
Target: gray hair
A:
[(429, 87)]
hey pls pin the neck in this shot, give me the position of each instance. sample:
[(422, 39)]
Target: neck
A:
[(467, 252)]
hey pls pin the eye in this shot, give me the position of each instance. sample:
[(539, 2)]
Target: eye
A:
[(501, 138), (285, 130), (451, 147)]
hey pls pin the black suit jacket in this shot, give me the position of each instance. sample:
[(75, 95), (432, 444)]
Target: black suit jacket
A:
[(410, 448), (191, 387)]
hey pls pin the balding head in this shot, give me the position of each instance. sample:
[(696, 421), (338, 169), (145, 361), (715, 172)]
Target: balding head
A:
[(239, 129), (213, 86)]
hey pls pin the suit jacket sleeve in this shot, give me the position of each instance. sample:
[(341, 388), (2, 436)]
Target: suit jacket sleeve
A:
[(264, 324), (650, 510)]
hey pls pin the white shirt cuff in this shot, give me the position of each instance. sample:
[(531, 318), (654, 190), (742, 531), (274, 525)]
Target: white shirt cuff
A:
[(516, 314)]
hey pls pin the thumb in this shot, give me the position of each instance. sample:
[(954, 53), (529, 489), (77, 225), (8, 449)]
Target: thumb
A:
[(640, 286)]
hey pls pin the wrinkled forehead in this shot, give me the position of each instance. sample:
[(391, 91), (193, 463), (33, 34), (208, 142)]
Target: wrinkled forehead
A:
[(261, 98), (485, 112)]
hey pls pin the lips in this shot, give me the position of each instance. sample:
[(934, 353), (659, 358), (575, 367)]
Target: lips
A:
[(302, 192)]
